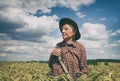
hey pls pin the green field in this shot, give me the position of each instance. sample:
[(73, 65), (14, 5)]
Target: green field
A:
[(99, 70)]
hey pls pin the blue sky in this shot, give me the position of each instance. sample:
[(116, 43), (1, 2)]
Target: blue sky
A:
[(29, 28)]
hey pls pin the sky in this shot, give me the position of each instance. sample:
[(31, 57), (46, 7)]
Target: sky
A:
[(29, 29)]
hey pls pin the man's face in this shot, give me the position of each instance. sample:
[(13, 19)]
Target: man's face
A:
[(67, 32)]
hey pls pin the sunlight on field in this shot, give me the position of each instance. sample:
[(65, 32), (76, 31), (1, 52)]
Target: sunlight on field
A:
[(39, 71)]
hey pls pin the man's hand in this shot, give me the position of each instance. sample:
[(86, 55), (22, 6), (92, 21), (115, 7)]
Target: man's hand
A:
[(56, 52)]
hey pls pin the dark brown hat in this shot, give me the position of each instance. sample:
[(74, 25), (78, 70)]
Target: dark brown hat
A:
[(64, 21)]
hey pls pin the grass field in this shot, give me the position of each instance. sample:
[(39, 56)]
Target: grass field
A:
[(39, 71)]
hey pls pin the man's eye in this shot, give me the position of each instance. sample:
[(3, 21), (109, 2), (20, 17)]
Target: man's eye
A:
[(66, 29)]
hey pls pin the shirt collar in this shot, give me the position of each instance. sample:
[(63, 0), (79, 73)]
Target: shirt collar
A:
[(69, 45)]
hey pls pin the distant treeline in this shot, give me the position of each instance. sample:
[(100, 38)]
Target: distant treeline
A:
[(89, 61), (106, 61)]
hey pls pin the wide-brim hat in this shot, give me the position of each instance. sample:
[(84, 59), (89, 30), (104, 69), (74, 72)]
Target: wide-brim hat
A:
[(64, 21)]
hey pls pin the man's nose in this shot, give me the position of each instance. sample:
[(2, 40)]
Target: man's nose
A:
[(63, 30)]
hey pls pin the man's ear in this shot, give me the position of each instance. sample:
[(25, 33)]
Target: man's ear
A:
[(74, 31)]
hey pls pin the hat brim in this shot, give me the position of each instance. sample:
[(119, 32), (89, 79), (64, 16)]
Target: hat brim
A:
[(64, 21)]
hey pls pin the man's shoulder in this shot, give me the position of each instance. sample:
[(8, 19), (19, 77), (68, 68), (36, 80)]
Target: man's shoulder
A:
[(80, 45)]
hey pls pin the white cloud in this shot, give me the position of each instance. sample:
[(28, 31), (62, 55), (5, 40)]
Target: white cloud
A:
[(4, 36), (12, 15), (115, 33), (74, 5), (94, 31), (114, 56), (29, 25), (51, 41), (113, 44), (3, 55), (24, 50), (80, 15), (30, 22), (39, 24), (91, 44), (30, 5), (44, 5), (103, 19), (96, 37)]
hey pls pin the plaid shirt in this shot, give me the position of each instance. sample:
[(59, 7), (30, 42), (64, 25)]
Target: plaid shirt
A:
[(73, 56)]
